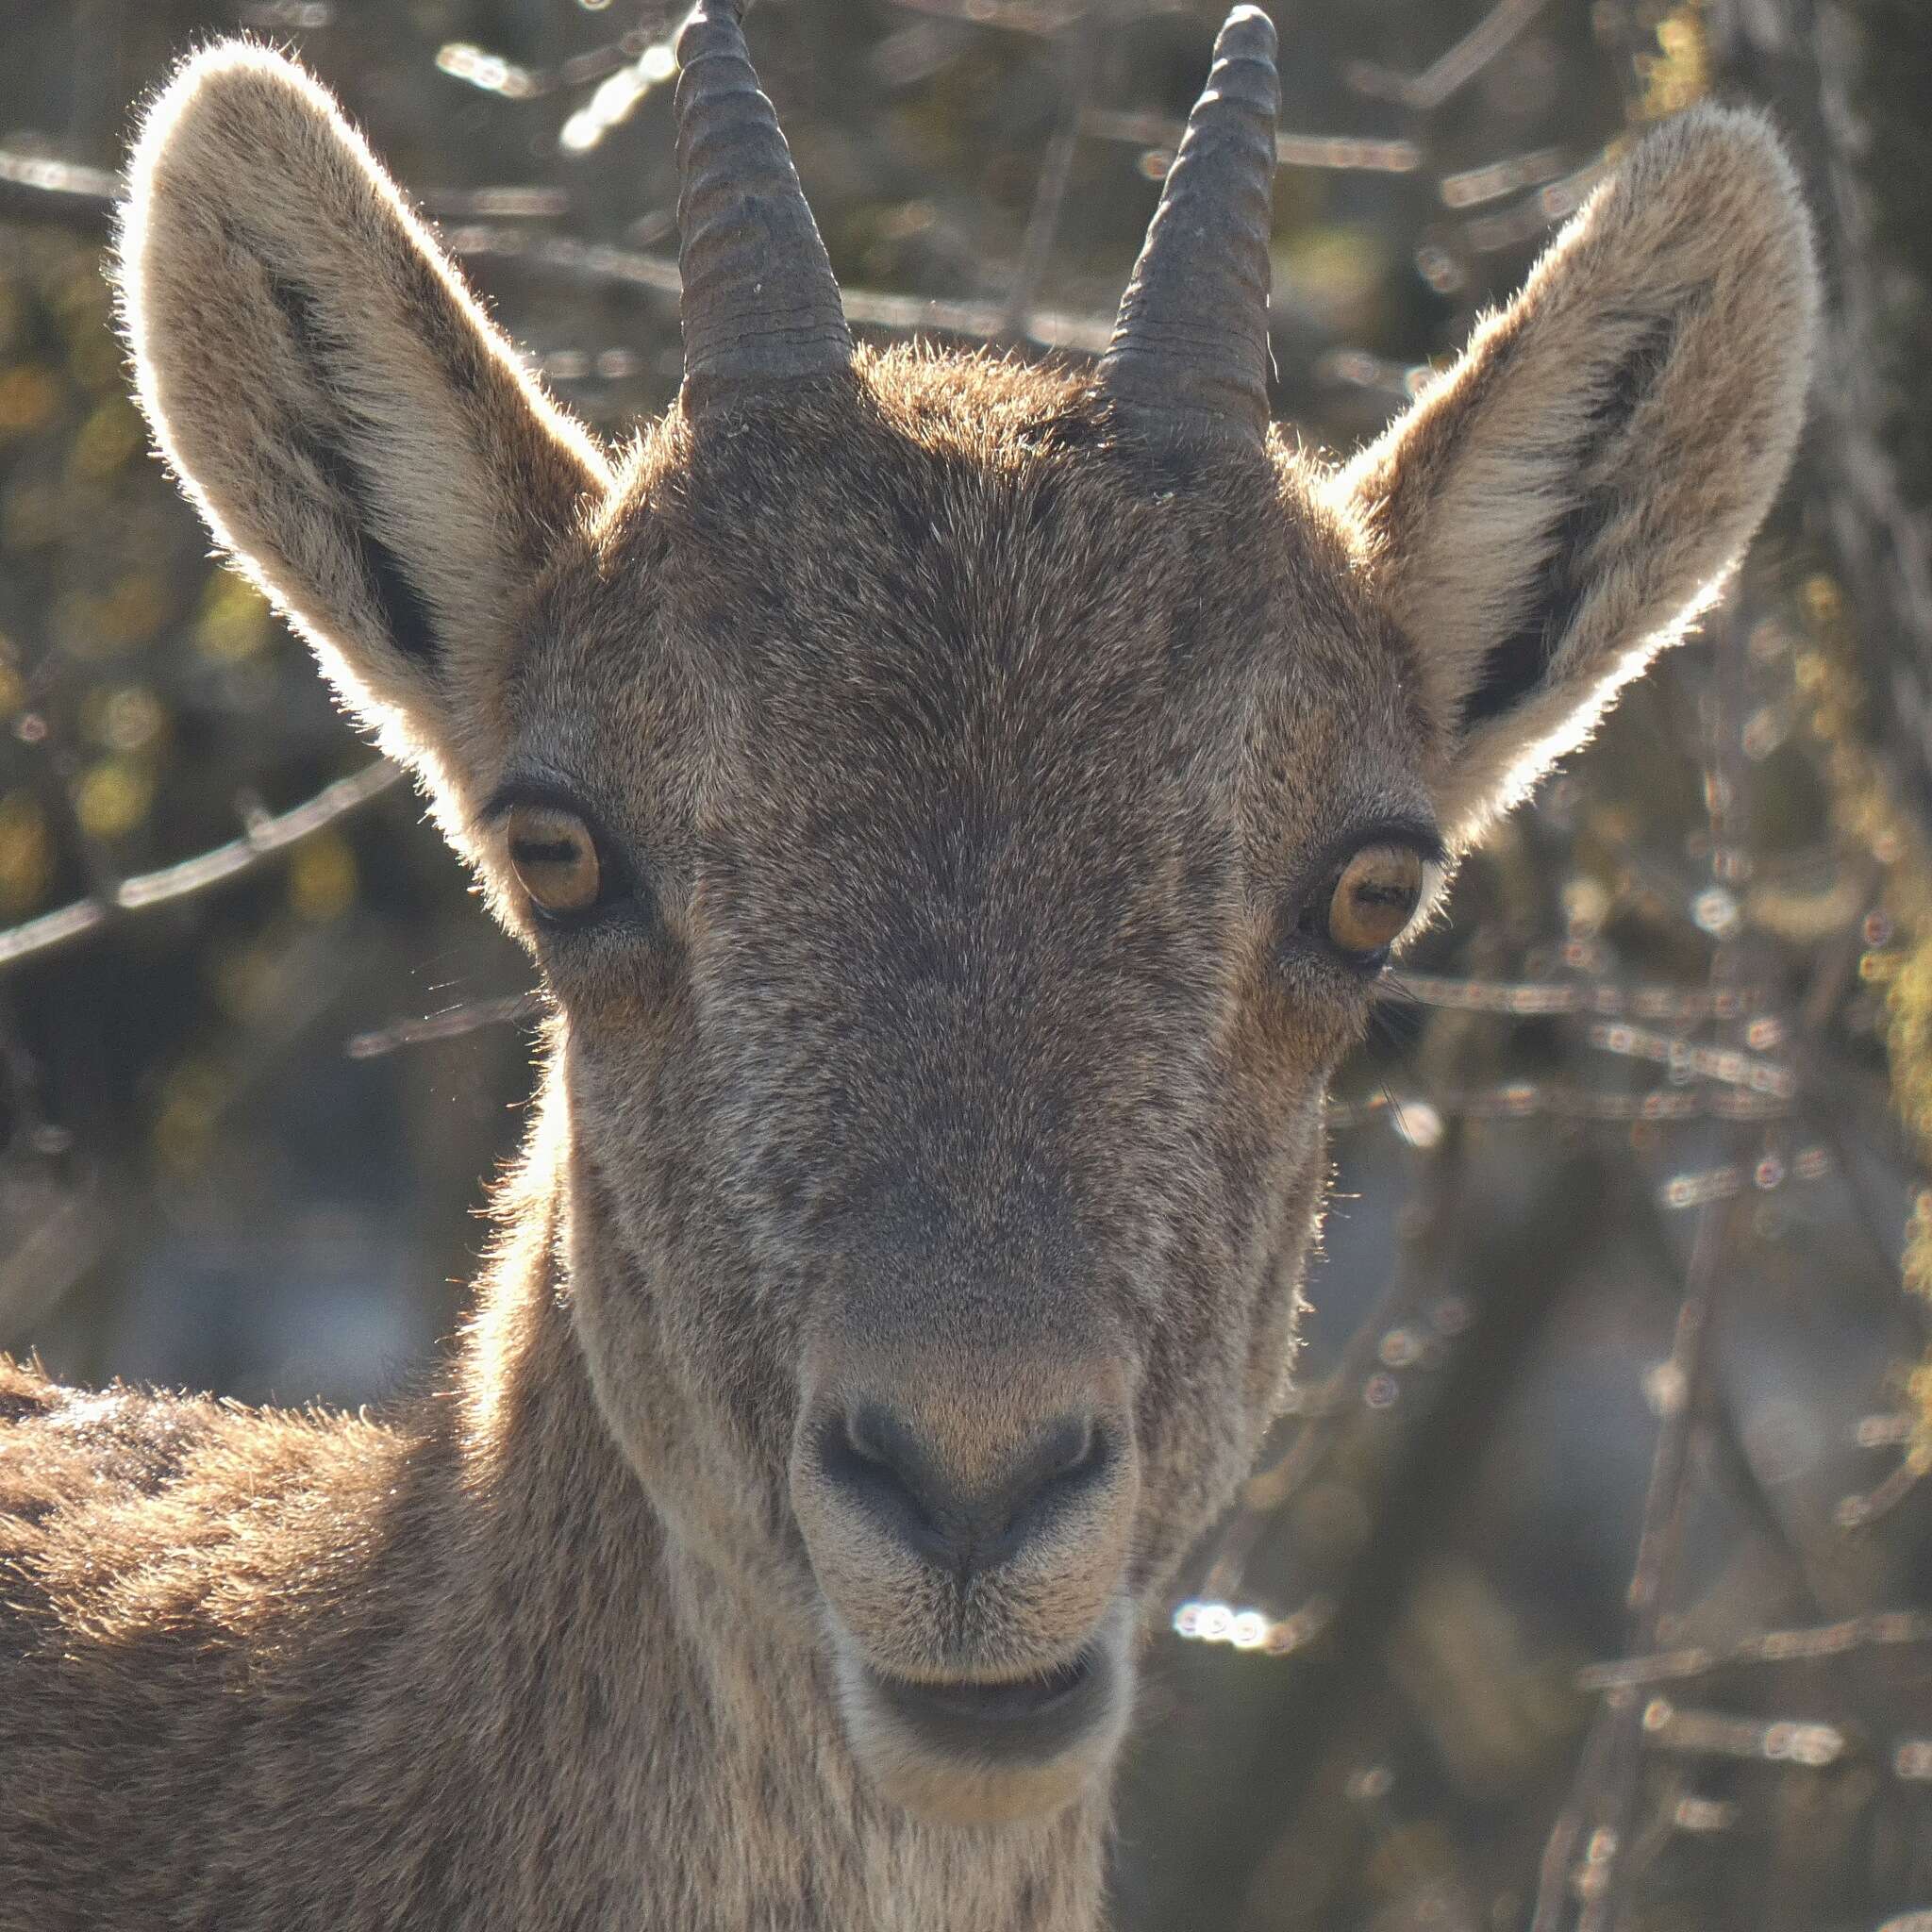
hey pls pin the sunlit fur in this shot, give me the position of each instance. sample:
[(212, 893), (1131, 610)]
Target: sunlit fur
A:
[(966, 1042)]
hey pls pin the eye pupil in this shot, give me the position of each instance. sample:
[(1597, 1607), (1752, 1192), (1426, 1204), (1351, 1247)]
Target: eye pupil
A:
[(555, 858), (1374, 898)]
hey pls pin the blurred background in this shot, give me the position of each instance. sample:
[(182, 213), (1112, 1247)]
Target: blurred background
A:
[(1589, 1585)]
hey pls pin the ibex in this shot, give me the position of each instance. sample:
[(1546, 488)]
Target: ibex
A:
[(960, 811)]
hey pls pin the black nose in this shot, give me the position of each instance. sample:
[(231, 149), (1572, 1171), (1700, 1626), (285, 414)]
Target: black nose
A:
[(883, 1467)]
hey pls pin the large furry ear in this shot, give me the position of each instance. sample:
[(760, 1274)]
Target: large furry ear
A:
[(352, 428), (1575, 491)]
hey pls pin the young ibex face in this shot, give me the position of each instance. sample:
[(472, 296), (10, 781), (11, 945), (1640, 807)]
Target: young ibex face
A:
[(960, 811)]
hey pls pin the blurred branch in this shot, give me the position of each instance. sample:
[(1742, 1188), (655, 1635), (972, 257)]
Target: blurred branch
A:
[(1602, 999), (54, 1233), (1017, 16), (478, 67), (1414, 1489), (1716, 1734), (1417, 1116), (1601, 1813), (1331, 1411), (1050, 193), (1456, 68), (44, 186), (266, 837), (1346, 153), (470, 1017), (1880, 534), (1608, 1796), (606, 264), (42, 177), (1880, 1630), (1857, 1512)]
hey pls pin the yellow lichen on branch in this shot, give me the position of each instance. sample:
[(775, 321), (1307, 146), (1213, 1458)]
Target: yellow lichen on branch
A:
[(1867, 811)]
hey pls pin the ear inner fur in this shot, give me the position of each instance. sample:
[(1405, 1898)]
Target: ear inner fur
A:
[(1512, 668), (369, 447), (392, 588), (1575, 491)]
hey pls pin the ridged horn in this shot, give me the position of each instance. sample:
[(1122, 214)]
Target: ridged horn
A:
[(760, 305), (1188, 356)]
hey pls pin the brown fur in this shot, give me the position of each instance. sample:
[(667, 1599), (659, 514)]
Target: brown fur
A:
[(964, 1046)]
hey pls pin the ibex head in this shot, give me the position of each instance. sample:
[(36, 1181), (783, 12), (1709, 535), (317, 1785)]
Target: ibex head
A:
[(960, 811)]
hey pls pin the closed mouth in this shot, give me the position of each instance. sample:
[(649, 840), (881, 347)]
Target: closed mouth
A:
[(1015, 1721)]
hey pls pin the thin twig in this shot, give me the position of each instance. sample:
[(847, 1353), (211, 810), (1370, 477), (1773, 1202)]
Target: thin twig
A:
[(1015, 16), (1453, 69), (1880, 1630), (266, 837), (1599, 999), (1602, 1808), (1336, 1408), (1603, 1799), (1342, 153), (1522, 1100), (1556, 1869), (54, 1234), (1861, 1512), (606, 264), (1658, 1543), (510, 1010), (1050, 191)]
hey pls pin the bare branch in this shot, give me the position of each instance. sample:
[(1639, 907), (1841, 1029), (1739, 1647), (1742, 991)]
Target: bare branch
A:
[(1453, 69), (1884, 1629), (1603, 1802), (1415, 1116), (1050, 193), (512, 1010), (1857, 1512), (1598, 998), (1602, 1808), (54, 1235), (266, 837), (604, 263), (1016, 16), (1344, 152)]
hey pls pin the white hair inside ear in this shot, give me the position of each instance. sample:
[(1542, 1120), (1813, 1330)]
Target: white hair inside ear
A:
[(364, 441), (1569, 497)]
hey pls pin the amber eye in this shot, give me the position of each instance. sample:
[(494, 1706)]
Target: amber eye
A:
[(556, 860), (1374, 898)]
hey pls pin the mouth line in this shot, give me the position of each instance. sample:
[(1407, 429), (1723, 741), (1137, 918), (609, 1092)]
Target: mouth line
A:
[(1006, 1700), (1012, 1723)]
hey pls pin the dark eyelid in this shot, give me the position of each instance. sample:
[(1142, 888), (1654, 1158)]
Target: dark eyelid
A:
[(1418, 834), (535, 787)]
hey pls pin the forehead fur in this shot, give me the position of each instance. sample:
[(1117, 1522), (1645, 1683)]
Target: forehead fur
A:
[(952, 566)]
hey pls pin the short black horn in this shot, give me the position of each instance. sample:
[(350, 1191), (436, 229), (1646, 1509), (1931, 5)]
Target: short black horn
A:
[(759, 304), (1189, 359)]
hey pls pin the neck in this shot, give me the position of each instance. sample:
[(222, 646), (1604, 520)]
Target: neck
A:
[(706, 1716)]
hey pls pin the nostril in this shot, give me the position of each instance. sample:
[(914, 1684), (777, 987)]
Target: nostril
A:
[(866, 1453), (1075, 1459), (882, 1469)]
